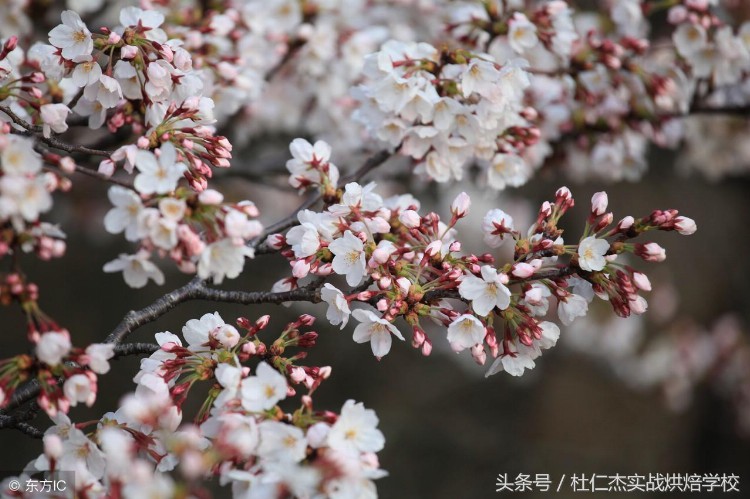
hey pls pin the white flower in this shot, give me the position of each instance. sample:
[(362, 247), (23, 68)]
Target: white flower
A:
[(125, 214), (79, 450), (485, 293), (349, 259), (86, 73), (507, 170), (149, 19), (163, 233), (19, 157), (238, 431), (303, 239), (376, 330), (521, 33), (591, 253), (198, 331), (27, 197), (595, 80), (338, 308), (78, 388), (158, 175), (222, 259), (136, 269), (54, 116), (239, 227), (98, 355), (72, 36), (159, 84), (496, 225), (53, 347), (514, 364), (689, 39), (356, 430), (230, 378), (281, 442), (306, 160), (172, 209), (127, 76), (227, 335), (570, 307), (550, 335), (536, 299), (264, 390), (481, 77), (465, 332), (106, 91)]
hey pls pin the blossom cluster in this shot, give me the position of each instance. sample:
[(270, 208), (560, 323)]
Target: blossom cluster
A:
[(55, 358), (198, 231), (409, 265), (241, 435), (446, 109)]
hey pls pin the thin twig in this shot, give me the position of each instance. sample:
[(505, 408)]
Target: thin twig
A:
[(51, 141)]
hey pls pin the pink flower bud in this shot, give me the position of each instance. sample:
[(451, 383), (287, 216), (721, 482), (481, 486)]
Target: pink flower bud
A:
[(563, 195), (107, 167), (128, 52), (211, 197), (275, 241), (11, 43), (263, 321), (385, 282), (639, 305), (523, 270), (300, 269), (460, 205), (325, 269), (143, 143), (641, 281), (410, 219), (426, 347), (651, 252), (404, 284), (478, 354), (433, 248), (599, 203), (114, 38), (67, 164), (685, 225), (297, 374), (625, 223)]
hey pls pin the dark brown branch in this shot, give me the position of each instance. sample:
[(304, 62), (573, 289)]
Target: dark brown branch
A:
[(51, 141), (196, 289), (20, 419), (126, 349)]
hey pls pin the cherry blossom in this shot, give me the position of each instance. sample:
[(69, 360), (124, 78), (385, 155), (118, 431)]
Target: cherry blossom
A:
[(486, 292), (72, 36), (375, 330)]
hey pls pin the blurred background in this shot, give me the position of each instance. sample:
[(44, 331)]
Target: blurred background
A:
[(658, 394)]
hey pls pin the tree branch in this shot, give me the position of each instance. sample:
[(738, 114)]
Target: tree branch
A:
[(126, 349)]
